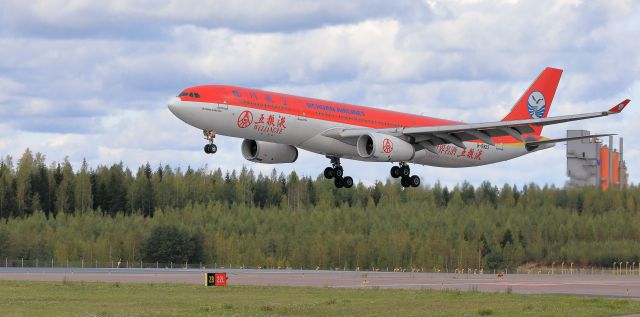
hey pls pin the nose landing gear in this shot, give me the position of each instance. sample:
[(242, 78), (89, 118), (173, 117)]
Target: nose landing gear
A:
[(210, 148), (336, 172), (403, 171)]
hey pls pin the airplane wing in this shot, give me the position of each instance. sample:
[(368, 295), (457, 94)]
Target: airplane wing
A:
[(429, 137)]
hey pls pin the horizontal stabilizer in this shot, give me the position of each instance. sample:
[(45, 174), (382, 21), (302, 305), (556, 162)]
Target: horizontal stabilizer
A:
[(567, 139)]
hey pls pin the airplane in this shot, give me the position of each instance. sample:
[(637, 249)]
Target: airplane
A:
[(274, 125)]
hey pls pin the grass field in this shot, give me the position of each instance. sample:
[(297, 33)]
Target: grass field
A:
[(20, 298)]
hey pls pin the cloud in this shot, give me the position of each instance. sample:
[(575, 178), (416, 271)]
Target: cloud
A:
[(91, 79), (143, 19)]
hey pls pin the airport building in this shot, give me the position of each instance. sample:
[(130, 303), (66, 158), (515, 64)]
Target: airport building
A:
[(590, 163)]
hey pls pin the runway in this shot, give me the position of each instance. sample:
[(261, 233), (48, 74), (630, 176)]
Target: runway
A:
[(619, 286)]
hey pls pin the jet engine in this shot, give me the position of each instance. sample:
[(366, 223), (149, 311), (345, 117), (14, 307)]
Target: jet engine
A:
[(268, 153), (384, 148)]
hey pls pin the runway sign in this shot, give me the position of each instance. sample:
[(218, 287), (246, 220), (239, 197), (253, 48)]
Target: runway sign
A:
[(215, 279)]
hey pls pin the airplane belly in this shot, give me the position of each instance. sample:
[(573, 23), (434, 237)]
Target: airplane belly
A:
[(475, 154), (329, 146), (321, 144)]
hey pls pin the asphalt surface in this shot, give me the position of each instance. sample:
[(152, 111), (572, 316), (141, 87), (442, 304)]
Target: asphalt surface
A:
[(618, 286)]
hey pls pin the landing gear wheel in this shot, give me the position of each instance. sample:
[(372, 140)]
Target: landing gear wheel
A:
[(339, 182), (395, 171), (348, 182), (405, 181), (338, 171), (414, 181), (405, 171), (329, 173), (210, 148)]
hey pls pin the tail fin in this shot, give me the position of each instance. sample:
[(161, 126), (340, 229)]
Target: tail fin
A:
[(536, 101)]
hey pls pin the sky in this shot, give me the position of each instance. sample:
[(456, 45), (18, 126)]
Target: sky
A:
[(91, 79)]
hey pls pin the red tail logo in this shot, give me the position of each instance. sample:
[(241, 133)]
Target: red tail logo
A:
[(536, 101)]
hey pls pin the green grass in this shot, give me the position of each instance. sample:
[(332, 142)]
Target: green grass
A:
[(20, 298)]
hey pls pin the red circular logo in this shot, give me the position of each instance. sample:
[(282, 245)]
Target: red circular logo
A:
[(387, 146), (245, 119)]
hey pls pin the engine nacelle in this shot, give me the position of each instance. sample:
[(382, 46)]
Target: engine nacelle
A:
[(384, 148), (268, 153)]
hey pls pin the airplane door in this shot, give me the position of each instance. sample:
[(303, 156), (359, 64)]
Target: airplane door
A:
[(302, 116), (223, 106)]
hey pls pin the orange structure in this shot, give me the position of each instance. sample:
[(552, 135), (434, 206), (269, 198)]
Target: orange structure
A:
[(591, 163), (604, 168), (615, 164)]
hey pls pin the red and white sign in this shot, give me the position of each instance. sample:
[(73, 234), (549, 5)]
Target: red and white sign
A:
[(221, 279)]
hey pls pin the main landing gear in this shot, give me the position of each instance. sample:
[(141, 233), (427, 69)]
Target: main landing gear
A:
[(336, 172), (210, 147), (403, 171)]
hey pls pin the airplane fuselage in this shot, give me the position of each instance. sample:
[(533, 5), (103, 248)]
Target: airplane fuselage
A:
[(302, 122)]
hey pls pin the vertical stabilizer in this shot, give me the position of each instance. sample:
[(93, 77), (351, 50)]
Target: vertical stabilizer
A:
[(536, 101)]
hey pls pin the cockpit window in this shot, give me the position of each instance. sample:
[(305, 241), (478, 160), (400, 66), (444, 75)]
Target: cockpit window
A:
[(189, 94)]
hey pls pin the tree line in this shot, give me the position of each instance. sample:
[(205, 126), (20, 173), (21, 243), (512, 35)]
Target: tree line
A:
[(242, 219)]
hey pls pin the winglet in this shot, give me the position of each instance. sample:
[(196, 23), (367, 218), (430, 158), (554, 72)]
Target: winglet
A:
[(619, 107)]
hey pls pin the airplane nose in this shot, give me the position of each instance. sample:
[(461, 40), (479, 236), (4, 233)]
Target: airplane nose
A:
[(173, 104)]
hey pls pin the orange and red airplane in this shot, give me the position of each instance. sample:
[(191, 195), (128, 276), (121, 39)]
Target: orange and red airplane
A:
[(275, 125)]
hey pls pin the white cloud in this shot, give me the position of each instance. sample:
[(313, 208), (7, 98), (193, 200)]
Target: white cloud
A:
[(91, 79), (143, 18)]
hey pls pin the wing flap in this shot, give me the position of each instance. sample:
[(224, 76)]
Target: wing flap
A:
[(567, 139)]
